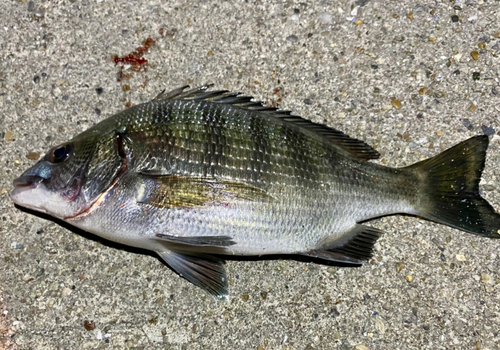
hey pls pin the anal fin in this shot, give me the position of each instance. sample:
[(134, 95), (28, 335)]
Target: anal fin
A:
[(203, 270), (354, 247)]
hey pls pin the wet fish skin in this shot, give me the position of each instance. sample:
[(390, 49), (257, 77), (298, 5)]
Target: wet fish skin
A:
[(196, 173)]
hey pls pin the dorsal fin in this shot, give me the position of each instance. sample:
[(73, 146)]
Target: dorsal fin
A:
[(353, 147)]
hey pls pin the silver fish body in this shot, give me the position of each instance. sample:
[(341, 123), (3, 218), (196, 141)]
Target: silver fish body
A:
[(196, 173)]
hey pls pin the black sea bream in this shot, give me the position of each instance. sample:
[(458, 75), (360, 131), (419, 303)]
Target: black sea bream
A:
[(195, 175)]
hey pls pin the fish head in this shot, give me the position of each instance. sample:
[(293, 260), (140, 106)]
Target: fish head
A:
[(72, 175)]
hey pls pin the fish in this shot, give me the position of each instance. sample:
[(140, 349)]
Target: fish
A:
[(200, 175)]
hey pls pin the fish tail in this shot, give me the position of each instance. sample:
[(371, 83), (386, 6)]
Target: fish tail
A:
[(450, 189)]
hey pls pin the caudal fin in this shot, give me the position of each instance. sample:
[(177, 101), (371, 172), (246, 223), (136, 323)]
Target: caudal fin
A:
[(450, 192)]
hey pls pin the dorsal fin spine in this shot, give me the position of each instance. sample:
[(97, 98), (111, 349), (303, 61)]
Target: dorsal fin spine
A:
[(353, 147)]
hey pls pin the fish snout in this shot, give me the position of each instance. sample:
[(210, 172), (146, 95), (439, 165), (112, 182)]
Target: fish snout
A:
[(30, 181), (32, 177)]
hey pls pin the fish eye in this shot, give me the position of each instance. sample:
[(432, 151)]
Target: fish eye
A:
[(59, 154)]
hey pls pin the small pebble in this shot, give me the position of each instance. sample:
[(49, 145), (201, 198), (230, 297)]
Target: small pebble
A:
[(33, 155), (396, 103), (9, 135), (66, 291), (292, 38), (361, 347), (409, 278), (466, 122), (99, 90), (308, 101), (432, 39), (472, 108), (60, 82), (36, 79), (474, 55), (4, 191), (399, 266), (487, 130), (476, 76), (485, 278), (358, 22), (99, 335), (482, 46), (89, 325), (454, 18), (460, 257), (245, 297), (439, 133), (410, 16)]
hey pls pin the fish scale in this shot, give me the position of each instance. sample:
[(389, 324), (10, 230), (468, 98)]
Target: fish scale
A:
[(195, 175)]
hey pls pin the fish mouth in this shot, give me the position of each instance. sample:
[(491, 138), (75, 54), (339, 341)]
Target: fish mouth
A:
[(22, 184), (27, 181)]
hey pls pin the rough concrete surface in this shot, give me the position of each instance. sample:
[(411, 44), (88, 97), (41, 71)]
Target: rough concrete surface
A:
[(411, 78)]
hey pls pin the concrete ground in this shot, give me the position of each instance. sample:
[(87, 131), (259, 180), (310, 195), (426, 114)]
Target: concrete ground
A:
[(411, 78)]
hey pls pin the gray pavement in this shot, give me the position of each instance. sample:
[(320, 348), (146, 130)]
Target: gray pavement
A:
[(411, 78)]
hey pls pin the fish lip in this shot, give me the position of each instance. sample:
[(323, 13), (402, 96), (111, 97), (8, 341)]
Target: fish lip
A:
[(38, 209), (27, 181), (24, 183), (17, 191)]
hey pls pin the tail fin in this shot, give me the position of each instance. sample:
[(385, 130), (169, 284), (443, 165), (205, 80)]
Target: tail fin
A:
[(450, 193)]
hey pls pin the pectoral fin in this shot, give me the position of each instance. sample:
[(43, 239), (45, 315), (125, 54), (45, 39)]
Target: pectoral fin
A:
[(354, 247), (203, 270), (175, 191), (201, 241)]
